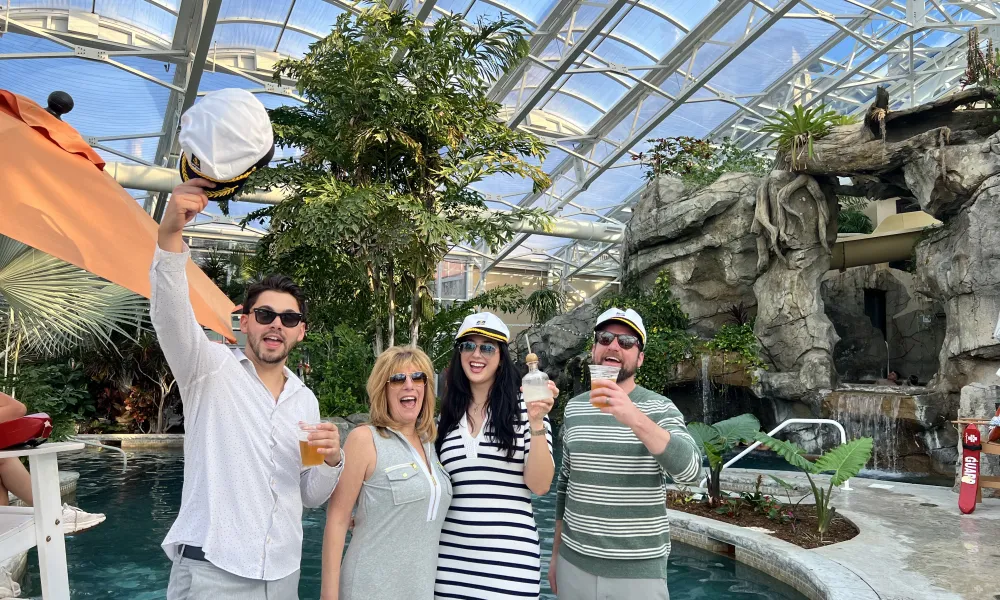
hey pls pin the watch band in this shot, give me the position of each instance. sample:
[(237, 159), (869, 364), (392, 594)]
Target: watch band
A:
[(536, 432)]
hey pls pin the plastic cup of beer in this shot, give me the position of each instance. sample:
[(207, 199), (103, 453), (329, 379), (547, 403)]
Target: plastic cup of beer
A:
[(310, 454), (598, 373)]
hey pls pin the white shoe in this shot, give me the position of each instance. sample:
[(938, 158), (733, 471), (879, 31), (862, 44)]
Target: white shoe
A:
[(8, 587), (75, 520)]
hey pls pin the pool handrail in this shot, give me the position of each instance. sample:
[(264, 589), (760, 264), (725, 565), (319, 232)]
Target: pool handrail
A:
[(106, 447), (753, 446)]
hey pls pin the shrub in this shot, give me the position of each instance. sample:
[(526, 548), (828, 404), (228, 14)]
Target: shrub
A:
[(844, 461)]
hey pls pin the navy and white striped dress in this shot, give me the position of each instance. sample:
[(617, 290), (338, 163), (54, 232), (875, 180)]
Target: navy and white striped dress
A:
[(489, 542)]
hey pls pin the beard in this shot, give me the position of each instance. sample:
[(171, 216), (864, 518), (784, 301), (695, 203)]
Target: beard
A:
[(266, 356), (626, 368)]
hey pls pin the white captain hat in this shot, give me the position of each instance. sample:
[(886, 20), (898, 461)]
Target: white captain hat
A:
[(627, 317), (225, 137), (485, 324)]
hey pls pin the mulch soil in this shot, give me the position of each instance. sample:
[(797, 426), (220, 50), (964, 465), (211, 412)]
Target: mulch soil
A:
[(800, 531)]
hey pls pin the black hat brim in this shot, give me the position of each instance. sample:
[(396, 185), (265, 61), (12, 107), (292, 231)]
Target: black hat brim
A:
[(224, 189)]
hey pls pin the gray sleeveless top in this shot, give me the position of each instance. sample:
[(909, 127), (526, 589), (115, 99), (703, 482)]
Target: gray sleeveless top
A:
[(397, 522)]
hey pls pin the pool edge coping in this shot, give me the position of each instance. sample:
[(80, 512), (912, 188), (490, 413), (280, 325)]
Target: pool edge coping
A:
[(815, 576)]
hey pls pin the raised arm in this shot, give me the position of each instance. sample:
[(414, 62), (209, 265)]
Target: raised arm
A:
[(10, 408), (180, 336), (361, 448)]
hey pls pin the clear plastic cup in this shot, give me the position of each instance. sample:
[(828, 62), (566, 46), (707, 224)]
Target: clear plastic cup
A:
[(310, 454), (602, 372)]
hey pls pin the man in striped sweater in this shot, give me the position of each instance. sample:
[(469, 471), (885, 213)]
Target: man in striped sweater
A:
[(620, 443)]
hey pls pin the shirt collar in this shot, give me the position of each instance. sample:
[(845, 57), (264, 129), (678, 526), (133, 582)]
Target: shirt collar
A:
[(292, 381)]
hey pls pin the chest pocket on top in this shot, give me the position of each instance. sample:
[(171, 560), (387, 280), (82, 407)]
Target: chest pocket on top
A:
[(407, 483)]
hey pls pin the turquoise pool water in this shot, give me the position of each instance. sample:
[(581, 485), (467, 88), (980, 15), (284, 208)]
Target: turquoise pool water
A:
[(121, 559)]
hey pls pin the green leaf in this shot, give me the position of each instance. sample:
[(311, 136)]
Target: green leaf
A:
[(708, 438), (788, 451), (737, 429), (845, 461)]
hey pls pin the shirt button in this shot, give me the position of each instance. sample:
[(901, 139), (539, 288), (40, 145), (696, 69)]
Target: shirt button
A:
[(268, 539)]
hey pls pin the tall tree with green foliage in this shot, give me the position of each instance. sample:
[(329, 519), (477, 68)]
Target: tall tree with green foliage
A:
[(396, 127)]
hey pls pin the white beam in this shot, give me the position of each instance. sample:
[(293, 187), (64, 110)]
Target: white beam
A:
[(163, 180), (568, 58)]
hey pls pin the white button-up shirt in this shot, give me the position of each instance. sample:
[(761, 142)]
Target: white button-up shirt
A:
[(244, 486)]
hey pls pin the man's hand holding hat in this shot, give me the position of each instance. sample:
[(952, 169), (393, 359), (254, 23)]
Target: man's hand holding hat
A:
[(187, 200)]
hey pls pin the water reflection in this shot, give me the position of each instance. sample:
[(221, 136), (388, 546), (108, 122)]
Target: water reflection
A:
[(122, 559)]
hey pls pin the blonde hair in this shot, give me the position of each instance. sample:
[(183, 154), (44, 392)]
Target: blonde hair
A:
[(389, 363)]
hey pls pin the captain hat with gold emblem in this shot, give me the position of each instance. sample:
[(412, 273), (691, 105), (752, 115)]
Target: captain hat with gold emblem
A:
[(225, 137), (485, 324)]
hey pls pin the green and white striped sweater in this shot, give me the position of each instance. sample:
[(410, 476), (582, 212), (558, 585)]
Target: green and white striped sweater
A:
[(611, 495)]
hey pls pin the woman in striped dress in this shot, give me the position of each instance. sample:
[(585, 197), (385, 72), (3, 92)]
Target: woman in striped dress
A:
[(497, 451)]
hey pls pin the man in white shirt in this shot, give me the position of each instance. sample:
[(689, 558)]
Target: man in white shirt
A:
[(239, 531)]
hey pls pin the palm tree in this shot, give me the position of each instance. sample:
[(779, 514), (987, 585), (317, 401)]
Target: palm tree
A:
[(49, 307)]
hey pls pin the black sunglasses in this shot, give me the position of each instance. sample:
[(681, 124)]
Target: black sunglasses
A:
[(265, 316), (468, 347), (398, 379), (625, 340)]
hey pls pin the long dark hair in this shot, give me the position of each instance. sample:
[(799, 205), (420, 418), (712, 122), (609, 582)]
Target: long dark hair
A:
[(504, 401)]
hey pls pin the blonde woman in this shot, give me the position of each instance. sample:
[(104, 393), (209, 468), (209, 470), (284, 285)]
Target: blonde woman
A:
[(399, 490)]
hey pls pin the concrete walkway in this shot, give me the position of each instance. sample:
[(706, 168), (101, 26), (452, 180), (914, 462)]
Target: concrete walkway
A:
[(914, 542)]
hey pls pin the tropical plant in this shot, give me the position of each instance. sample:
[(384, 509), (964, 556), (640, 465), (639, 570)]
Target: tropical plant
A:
[(851, 218), (854, 221), (56, 388), (543, 304), (678, 155), (138, 371), (700, 162), (396, 128), (844, 461), (437, 336), (982, 65), (666, 323), (741, 341), (232, 271), (336, 366), (49, 307), (799, 128), (739, 314), (764, 504), (718, 439)]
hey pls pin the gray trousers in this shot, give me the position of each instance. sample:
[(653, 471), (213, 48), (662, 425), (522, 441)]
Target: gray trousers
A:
[(576, 584), (201, 580)]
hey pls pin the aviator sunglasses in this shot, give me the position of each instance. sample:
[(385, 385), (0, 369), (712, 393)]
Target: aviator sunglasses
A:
[(625, 341), (468, 347), (398, 379), (265, 316)]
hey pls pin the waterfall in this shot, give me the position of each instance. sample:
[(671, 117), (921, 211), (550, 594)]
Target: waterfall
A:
[(872, 414), (706, 388)]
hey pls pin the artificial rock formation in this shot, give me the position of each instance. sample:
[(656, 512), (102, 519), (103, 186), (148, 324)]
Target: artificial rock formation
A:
[(795, 221), (560, 346), (914, 325), (702, 240)]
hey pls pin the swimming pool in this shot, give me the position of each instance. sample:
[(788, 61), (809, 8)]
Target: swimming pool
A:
[(121, 559)]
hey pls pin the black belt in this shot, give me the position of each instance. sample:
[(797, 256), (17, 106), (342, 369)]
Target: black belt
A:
[(193, 552)]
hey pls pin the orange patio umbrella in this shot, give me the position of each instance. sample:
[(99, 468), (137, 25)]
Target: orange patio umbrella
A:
[(56, 197)]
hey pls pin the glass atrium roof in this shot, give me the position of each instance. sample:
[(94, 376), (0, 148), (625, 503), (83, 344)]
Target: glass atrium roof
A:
[(603, 77)]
